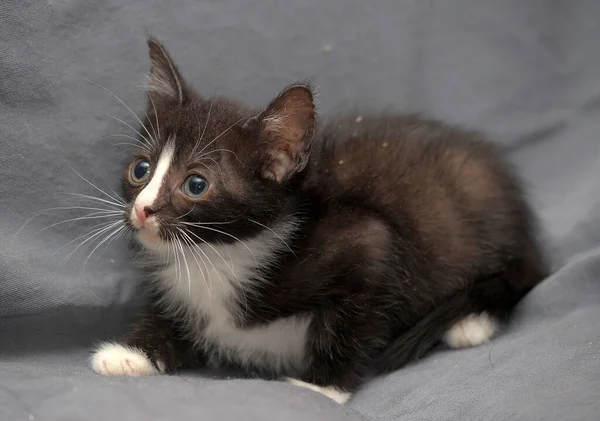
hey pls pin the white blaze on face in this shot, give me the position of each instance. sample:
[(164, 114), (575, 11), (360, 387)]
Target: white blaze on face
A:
[(148, 195)]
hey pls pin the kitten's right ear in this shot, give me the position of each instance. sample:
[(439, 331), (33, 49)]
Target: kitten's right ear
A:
[(287, 127), (164, 84)]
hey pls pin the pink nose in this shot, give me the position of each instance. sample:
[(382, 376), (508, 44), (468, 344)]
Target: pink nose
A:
[(142, 214)]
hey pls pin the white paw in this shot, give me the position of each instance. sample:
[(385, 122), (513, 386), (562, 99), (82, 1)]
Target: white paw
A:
[(112, 359), (331, 392), (473, 330)]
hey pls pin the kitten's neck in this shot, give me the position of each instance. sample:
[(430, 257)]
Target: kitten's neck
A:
[(206, 274)]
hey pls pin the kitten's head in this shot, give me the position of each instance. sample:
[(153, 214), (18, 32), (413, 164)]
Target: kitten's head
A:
[(211, 170)]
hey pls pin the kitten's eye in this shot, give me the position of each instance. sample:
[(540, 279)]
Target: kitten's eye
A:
[(195, 186), (140, 171)]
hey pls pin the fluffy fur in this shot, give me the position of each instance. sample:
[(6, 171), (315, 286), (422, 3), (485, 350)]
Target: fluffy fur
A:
[(328, 255)]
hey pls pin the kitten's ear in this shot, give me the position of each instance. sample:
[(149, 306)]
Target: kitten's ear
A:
[(287, 126), (164, 84)]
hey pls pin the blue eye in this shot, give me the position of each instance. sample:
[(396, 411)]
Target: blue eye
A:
[(140, 171), (195, 186)]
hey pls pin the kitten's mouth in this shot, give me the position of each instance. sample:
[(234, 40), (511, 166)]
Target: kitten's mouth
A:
[(147, 232)]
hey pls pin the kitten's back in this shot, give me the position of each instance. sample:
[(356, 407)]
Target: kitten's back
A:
[(449, 185)]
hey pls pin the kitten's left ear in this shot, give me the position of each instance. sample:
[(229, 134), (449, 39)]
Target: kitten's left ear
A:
[(165, 84), (287, 126)]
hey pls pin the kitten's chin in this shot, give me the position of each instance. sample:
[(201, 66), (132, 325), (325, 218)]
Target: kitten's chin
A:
[(149, 239)]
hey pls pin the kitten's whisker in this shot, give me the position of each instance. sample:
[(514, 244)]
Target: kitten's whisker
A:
[(110, 235), (221, 150), (94, 215), (98, 188), (205, 126), (191, 245), (212, 222), (176, 258), (132, 128), (276, 235), (92, 237), (215, 174), (187, 213), (218, 166), (122, 102), (78, 207), (124, 231), (138, 141), (188, 243), (178, 267), (187, 268), (224, 131), (222, 232), (157, 131), (38, 213), (98, 199), (133, 145), (242, 291), (213, 249), (90, 231), (207, 258), (118, 198)]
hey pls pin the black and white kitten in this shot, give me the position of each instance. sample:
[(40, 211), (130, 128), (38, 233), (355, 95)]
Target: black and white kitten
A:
[(324, 255)]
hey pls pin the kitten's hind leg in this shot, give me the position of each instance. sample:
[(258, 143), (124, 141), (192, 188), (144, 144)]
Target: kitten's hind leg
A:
[(473, 330)]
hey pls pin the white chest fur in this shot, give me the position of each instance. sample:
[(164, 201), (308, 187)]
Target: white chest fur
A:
[(200, 284)]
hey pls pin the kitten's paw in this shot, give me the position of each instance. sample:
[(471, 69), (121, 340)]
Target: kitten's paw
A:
[(473, 330), (331, 392), (112, 359)]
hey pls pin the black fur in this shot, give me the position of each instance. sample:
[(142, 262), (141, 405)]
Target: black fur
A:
[(406, 225)]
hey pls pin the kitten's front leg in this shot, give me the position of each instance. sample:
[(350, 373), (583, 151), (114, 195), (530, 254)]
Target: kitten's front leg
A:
[(152, 347)]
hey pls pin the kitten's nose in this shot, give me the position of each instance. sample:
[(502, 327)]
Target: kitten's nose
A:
[(143, 213)]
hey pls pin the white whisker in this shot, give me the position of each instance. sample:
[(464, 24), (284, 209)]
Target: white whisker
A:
[(132, 128), (242, 291), (220, 150), (213, 249), (201, 137), (124, 231), (133, 145), (187, 268), (212, 222), (187, 213), (276, 235), (176, 255), (215, 174), (93, 229), (207, 258), (157, 131), (122, 102), (110, 235), (92, 237), (117, 199), (38, 213), (191, 244), (94, 215), (216, 138), (98, 199), (138, 144), (200, 225)]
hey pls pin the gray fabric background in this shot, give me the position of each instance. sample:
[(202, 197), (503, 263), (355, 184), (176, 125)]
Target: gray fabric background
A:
[(527, 72)]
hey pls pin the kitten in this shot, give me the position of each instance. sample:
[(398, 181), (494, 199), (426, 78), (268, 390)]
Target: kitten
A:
[(326, 256)]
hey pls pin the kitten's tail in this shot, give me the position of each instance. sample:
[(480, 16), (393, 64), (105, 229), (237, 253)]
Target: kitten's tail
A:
[(495, 294)]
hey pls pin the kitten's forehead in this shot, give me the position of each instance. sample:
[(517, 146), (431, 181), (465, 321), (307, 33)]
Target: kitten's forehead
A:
[(199, 127)]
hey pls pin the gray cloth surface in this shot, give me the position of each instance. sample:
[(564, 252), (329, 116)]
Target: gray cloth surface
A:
[(526, 72)]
